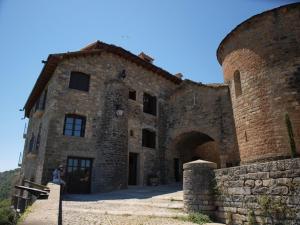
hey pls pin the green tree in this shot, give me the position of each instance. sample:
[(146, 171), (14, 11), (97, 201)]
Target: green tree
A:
[(7, 216), (7, 180)]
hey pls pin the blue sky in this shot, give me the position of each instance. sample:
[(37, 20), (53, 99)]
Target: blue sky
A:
[(182, 36)]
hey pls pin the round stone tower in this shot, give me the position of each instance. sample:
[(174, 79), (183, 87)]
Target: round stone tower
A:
[(261, 64)]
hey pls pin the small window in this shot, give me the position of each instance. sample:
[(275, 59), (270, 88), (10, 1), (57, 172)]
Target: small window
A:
[(74, 125), (31, 143), (131, 133), (79, 81), (132, 95), (41, 101), (44, 99), (149, 104), (148, 138), (237, 83), (38, 139)]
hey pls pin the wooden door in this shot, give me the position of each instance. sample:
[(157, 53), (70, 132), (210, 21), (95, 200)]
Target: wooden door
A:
[(79, 172), (176, 169), (132, 170)]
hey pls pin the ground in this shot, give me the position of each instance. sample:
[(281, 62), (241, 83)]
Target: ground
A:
[(134, 206)]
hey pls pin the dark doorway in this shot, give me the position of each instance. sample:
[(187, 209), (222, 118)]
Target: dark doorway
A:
[(132, 172), (79, 172), (176, 170)]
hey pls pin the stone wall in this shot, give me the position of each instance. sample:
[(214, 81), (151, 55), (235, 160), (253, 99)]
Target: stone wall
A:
[(262, 194), (264, 50), (107, 141), (198, 176), (45, 211), (195, 108), (268, 190)]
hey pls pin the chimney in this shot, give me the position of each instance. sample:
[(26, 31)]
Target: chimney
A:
[(179, 75), (145, 57)]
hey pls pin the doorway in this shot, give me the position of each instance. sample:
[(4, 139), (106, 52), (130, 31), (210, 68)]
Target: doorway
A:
[(176, 170), (78, 175), (132, 170)]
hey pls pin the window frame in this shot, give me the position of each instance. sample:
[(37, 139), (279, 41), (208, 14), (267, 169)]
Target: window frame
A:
[(73, 129), (75, 85)]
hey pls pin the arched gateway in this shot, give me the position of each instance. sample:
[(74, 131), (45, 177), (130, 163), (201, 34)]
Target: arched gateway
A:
[(191, 146)]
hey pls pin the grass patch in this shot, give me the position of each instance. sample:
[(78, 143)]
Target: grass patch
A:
[(197, 218), (24, 215)]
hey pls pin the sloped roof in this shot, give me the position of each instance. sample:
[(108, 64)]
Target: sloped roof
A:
[(92, 49)]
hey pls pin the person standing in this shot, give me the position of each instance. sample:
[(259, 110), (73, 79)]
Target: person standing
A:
[(57, 173)]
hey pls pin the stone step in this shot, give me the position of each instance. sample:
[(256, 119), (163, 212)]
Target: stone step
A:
[(128, 210)]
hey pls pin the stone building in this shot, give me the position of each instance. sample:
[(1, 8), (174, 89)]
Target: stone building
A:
[(261, 64), (115, 119)]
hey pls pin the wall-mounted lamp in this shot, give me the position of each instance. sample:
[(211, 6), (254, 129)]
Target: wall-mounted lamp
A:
[(119, 111)]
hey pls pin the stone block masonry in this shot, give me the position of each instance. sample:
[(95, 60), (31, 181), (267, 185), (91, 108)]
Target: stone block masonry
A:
[(198, 176), (267, 193), (261, 193), (260, 60)]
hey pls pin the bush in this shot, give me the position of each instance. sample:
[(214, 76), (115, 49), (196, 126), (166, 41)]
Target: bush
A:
[(197, 218), (7, 215)]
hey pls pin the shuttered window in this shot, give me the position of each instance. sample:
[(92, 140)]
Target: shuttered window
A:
[(79, 81)]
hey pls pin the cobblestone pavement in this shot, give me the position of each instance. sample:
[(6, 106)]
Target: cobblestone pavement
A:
[(133, 206)]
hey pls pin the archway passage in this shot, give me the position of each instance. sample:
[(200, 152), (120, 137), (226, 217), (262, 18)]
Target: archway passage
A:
[(192, 146)]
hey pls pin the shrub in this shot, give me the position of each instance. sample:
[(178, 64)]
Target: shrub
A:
[(197, 218), (7, 216)]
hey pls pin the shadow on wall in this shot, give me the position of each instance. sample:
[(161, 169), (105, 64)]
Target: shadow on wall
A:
[(195, 145)]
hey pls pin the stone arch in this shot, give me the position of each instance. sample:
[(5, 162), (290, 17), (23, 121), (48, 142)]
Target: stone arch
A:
[(193, 145)]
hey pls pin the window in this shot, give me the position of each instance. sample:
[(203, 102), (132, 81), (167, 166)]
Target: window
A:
[(41, 101), (131, 133), (79, 81), (74, 125), (38, 139), (237, 83), (31, 143), (148, 138), (149, 104), (44, 99), (132, 95)]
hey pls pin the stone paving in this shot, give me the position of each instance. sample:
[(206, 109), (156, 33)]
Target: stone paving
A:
[(134, 206)]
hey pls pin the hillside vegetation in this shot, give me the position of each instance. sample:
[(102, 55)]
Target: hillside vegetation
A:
[(7, 180)]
